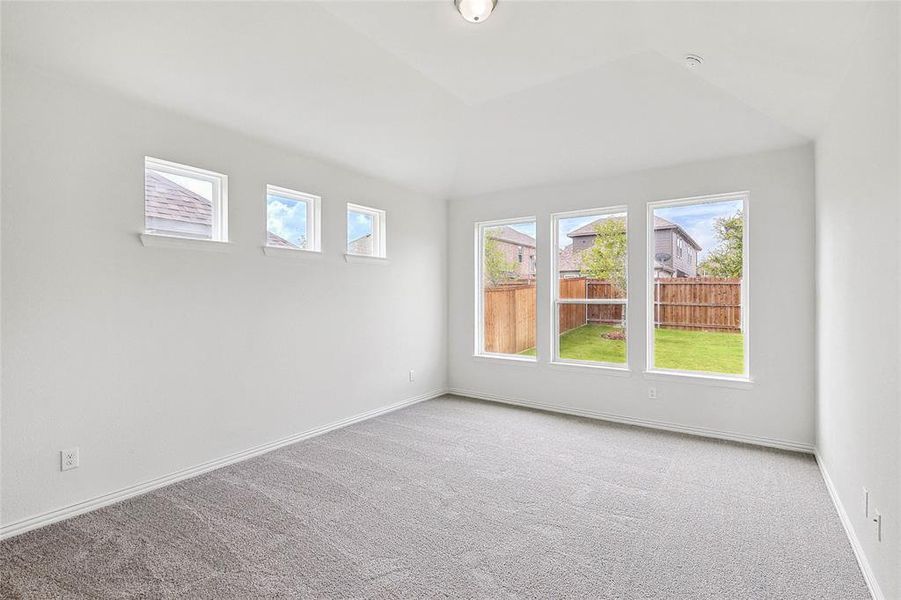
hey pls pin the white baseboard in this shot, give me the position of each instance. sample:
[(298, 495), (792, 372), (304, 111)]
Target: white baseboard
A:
[(865, 568), (663, 425), (66, 512)]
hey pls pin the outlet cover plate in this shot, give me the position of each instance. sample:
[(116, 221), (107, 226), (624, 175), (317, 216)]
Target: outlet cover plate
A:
[(68, 459)]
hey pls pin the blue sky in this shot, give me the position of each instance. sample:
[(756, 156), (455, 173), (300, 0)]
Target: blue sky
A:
[(698, 219), (358, 225), (286, 218), (526, 228)]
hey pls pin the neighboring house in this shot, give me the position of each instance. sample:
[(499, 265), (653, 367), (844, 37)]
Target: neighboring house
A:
[(171, 209), (362, 245), (174, 210), (279, 242), (671, 242), (670, 239), (518, 249)]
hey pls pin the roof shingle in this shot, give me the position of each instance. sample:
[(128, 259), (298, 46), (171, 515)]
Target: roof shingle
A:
[(507, 234), (165, 199)]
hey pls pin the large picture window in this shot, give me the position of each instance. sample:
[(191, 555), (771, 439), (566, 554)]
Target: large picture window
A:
[(505, 284), (698, 286), (590, 298)]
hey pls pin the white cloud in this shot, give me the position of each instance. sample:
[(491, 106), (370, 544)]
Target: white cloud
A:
[(279, 215)]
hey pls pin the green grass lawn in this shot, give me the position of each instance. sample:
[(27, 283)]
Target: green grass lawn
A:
[(673, 349), (699, 351)]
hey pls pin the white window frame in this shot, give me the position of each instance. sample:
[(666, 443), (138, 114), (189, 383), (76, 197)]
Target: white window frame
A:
[(556, 301), (479, 247), (379, 231), (219, 181), (744, 196), (313, 205)]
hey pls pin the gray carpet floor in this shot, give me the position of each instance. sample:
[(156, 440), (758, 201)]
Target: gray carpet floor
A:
[(456, 498)]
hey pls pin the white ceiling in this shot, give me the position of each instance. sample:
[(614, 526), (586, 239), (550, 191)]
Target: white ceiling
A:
[(408, 91)]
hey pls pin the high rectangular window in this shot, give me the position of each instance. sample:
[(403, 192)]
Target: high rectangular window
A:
[(698, 286), (292, 219), (184, 201), (590, 287), (506, 291), (366, 234)]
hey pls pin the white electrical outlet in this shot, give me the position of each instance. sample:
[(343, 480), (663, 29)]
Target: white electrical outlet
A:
[(68, 459), (652, 392), (412, 376)]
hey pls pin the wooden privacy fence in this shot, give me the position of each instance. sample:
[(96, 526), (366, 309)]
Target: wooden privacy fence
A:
[(698, 303), (509, 318), (576, 315)]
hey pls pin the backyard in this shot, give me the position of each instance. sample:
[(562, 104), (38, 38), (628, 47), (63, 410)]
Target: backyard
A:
[(673, 348)]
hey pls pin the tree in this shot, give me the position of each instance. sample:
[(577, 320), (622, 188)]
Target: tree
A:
[(497, 268), (725, 260), (606, 259)]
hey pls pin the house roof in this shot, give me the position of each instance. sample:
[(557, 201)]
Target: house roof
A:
[(361, 245), (588, 228), (568, 260), (507, 234), (278, 241), (165, 199), (659, 225)]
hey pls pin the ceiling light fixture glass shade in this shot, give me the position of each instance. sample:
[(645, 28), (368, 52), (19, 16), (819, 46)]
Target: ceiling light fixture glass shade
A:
[(475, 11)]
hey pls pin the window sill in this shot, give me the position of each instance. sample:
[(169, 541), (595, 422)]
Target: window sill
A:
[(510, 359), (738, 383), (361, 258), (607, 369), (291, 252), (171, 241)]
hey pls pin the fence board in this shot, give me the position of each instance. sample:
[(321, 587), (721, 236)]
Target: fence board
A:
[(704, 303), (608, 313), (509, 313), (572, 315)]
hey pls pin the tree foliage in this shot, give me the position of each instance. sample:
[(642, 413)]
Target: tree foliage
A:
[(497, 268), (725, 260), (606, 259)]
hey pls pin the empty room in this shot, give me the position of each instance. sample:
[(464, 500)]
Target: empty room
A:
[(450, 299)]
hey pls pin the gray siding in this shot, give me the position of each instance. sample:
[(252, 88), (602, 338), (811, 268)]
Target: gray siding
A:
[(583, 242), (664, 242), (687, 264), (667, 241)]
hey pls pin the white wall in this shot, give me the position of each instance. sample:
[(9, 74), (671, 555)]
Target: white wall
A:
[(857, 211), (777, 406), (153, 360)]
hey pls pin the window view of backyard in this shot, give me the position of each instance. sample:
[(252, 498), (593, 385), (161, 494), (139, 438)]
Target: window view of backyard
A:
[(697, 287), (508, 288), (591, 287), (697, 264)]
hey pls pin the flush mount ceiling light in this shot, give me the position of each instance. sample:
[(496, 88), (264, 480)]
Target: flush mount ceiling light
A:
[(475, 11), (692, 61)]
